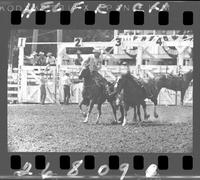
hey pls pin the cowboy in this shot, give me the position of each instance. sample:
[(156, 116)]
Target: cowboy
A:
[(94, 63), (66, 82), (50, 60), (79, 59), (43, 82)]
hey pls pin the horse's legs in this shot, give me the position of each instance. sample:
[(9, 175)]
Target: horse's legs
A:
[(122, 114), (146, 115), (182, 96), (99, 115), (155, 111), (135, 114), (138, 113), (89, 111), (80, 107), (114, 111), (125, 114)]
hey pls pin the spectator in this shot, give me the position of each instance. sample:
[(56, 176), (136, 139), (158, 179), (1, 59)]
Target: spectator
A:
[(127, 67), (79, 59), (66, 82), (65, 59), (33, 58), (42, 59), (50, 60), (43, 82)]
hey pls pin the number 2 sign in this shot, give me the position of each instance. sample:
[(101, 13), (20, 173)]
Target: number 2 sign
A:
[(78, 41)]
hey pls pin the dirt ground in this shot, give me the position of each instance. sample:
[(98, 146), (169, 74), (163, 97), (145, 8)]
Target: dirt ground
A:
[(59, 128)]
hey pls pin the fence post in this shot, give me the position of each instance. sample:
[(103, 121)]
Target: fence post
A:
[(55, 82)]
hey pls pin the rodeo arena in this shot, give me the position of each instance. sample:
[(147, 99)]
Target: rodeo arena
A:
[(50, 104)]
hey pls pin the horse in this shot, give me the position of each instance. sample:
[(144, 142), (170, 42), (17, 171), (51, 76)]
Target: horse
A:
[(133, 95), (94, 94), (154, 85), (178, 83), (169, 81), (120, 104)]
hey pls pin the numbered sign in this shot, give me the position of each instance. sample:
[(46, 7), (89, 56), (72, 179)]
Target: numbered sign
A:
[(118, 41), (159, 41), (78, 41), (21, 42)]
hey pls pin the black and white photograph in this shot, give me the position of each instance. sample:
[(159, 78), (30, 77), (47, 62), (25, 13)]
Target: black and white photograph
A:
[(100, 90)]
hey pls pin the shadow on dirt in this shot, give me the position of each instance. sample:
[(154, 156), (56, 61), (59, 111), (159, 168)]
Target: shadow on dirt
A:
[(142, 124)]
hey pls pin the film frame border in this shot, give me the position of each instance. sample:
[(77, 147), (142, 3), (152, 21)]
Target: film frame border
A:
[(89, 16), (194, 27)]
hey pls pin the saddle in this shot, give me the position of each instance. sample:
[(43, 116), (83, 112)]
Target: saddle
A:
[(138, 81), (99, 79), (148, 89), (101, 82)]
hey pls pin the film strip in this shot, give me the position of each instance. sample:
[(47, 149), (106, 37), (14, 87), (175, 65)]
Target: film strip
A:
[(60, 56), (114, 17)]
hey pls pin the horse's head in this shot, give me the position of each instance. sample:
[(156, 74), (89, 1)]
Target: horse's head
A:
[(84, 73), (111, 86), (156, 84), (116, 88), (120, 83), (161, 77), (116, 82), (188, 76), (160, 81), (154, 98)]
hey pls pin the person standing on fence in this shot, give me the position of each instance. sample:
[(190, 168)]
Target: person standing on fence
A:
[(66, 82), (50, 60), (42, 59), (43, 82), (33, 58)]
